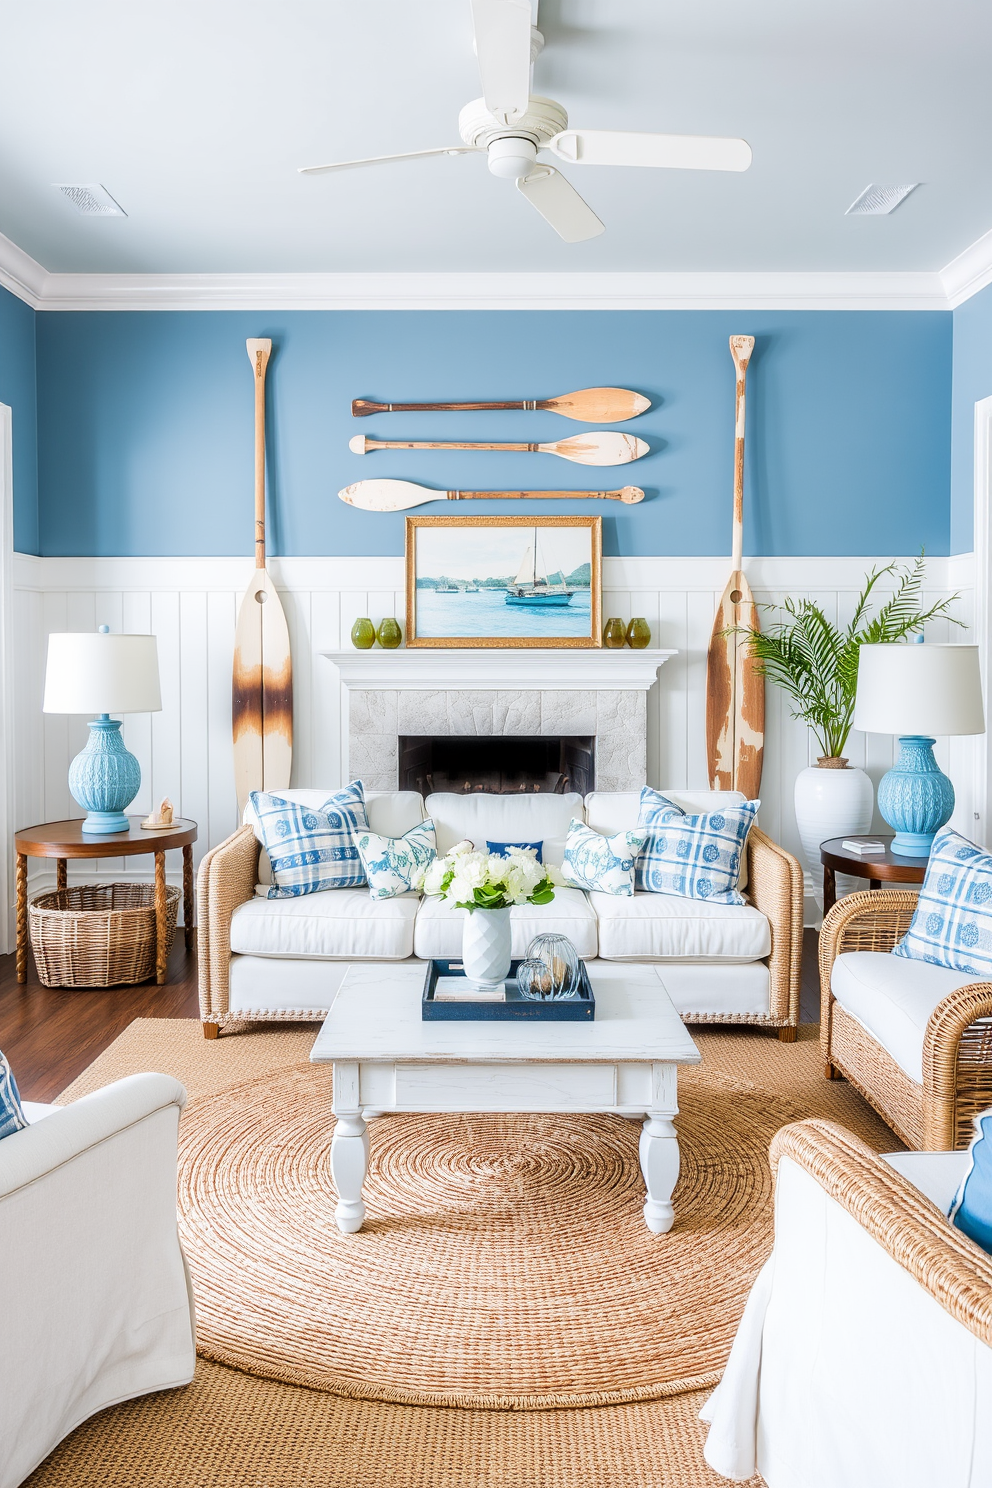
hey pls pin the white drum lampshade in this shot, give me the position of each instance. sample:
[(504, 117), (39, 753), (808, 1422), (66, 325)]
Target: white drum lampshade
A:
[(921, 693), (96, 673), (919, 689)]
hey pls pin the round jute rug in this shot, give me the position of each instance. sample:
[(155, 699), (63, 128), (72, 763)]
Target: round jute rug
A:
[(504, 1262)]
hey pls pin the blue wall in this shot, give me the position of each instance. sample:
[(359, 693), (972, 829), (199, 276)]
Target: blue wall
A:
[(18, 391), (145, 424), (972, 381)]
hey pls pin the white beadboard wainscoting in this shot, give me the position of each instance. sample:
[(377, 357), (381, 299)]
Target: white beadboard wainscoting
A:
[(190, 604)]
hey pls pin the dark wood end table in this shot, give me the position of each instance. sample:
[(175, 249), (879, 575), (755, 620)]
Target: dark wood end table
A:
[(66, 839), (878, 868)]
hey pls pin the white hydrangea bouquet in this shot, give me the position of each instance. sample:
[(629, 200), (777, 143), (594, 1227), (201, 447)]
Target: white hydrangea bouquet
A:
[(478, 880)]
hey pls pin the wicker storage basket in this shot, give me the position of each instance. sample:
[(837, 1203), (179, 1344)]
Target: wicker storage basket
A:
[(98, 935)]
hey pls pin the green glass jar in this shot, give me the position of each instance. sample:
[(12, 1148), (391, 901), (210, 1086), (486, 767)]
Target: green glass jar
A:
[(614, 633), (363, 634), (389, 633), (638, 633)]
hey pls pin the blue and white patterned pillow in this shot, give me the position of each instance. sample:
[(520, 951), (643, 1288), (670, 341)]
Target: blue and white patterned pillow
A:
[(952, 925), (695, 857), (395, 865), (605, 864), (312, 848), (12, 1117)]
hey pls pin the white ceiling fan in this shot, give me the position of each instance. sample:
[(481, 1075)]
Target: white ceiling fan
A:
[(510, 124)]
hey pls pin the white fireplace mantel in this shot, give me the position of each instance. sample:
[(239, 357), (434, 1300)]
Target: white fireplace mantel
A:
[(427, 669)]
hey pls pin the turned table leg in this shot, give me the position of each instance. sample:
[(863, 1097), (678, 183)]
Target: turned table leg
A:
[(22, 917), (659, 1153), (188, 895), (349, 1164), (161, 939), (61, 874), (829, 889)]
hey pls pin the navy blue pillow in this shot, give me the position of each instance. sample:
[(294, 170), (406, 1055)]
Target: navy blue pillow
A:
[(972, 1207), (499, 848)]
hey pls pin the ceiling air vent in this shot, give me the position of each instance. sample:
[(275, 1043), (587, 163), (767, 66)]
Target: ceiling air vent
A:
[(879, 201), (91, 200)]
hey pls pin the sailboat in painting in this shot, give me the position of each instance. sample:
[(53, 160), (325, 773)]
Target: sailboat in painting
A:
[(532, 584)]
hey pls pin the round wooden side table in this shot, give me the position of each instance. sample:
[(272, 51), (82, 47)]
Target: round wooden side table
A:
[(65, 839), (878, 868)]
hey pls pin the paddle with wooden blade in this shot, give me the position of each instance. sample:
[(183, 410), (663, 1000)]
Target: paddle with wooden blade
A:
[(587, 406), (262, 690), (735, 688), (398, 495), (609, 448)]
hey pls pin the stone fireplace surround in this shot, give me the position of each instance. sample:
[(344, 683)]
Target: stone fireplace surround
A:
[(492, 692)]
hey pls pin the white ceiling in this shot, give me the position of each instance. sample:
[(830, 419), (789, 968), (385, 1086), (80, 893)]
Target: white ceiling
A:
[(195, 116)]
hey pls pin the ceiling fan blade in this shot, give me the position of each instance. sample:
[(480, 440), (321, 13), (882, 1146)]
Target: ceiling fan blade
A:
[(560, 204), (671, 151), (502, 44), (339, 165)]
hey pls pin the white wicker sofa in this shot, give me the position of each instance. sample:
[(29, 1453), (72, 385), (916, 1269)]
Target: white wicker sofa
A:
[(263, 959)]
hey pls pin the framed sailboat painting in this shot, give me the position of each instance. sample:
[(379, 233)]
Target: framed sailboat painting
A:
[(504, 581)]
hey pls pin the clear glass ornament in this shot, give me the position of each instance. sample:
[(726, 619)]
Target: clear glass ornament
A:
[(561, 962)]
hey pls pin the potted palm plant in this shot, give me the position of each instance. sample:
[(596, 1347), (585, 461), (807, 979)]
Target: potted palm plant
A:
[(816, 663)]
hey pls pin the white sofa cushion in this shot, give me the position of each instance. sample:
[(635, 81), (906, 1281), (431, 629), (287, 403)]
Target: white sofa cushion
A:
[(390, 813), (338, 924), (893, 997), (439, 925), (667, 927), (484, 818), (614, 811)]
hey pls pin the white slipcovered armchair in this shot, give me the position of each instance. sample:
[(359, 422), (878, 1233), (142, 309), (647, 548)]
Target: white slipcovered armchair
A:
[(97, 1303), (864, 1356)]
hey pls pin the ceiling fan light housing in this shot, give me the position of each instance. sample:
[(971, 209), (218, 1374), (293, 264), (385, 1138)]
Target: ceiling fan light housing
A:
[(512, 156)]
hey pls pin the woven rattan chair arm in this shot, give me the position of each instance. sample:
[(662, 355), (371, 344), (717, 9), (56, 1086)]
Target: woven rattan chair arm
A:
[(227, 878), (957, 1066), (870, 921), (956, 1273), (775, 886)]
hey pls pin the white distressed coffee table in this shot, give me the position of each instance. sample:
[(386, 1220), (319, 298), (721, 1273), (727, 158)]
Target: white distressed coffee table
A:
[(386, 1058)]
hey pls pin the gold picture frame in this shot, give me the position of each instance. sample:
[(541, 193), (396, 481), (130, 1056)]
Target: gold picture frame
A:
[(459, 608)]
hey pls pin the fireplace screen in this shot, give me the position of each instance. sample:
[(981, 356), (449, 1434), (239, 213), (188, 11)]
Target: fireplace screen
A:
[(498, 765)]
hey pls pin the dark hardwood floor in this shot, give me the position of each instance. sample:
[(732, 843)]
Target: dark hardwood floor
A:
[(50, 1036)]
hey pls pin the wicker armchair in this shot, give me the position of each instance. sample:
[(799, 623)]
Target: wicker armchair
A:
[(877, 1378), (957, 1047), (227, 878)]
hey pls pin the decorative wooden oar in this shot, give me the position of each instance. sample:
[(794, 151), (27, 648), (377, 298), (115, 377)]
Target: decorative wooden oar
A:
[(735, 689), (397, 495), (262, 693), (608, 448), (589, 406)]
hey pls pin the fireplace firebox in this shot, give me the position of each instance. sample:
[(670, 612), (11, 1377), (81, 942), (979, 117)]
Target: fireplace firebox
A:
[(498, 764)]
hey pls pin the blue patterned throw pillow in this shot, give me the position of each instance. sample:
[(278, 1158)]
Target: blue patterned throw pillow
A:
[(952, 925), (395, 865), (312, 848), (12, 1117), (695, 857), (604, 864), (972, 1207)]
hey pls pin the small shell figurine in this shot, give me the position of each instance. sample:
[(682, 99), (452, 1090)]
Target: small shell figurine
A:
[(161, 817)]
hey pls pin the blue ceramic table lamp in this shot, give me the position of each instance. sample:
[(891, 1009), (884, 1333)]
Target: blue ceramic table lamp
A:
[(94, 672), (921, 693)]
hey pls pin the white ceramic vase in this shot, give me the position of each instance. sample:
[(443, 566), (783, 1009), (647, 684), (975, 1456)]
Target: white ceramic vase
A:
[(486, 946), (831, 803)]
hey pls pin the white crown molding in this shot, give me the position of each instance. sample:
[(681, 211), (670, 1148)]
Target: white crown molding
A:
[(971, 271), (21, 274)]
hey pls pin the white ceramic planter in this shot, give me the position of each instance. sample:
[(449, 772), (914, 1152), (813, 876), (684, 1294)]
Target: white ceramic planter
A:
[(831, 803), (486, 946)]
